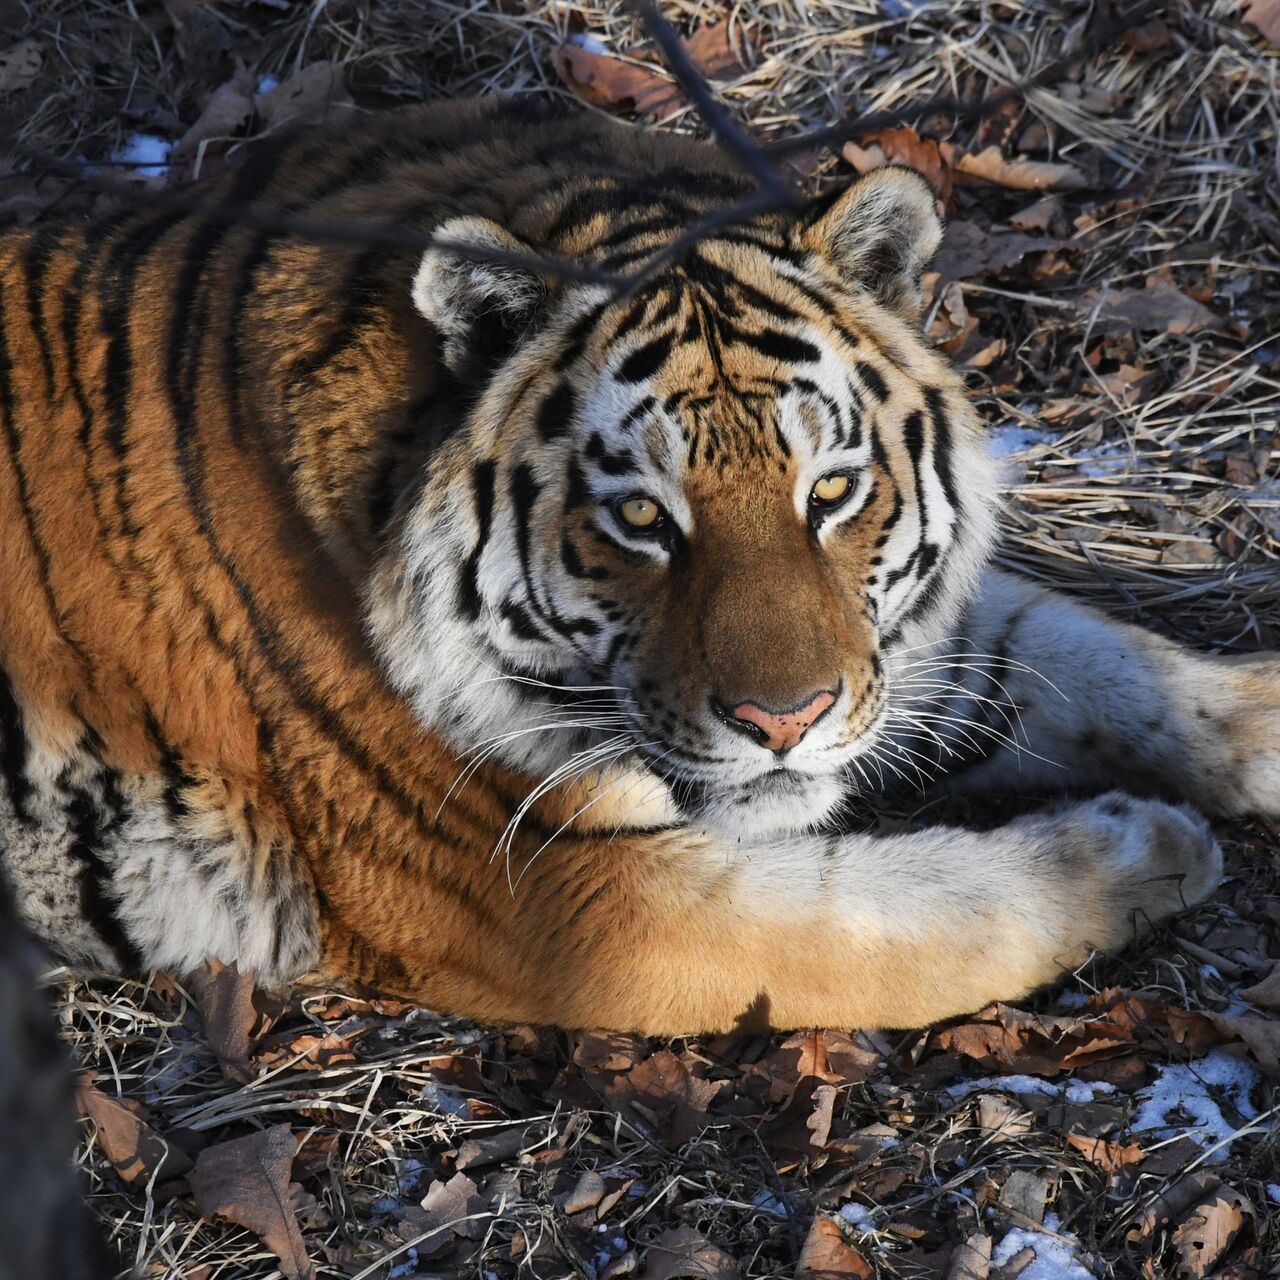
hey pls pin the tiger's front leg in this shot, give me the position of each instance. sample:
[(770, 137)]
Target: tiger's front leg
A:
[(1047, 695)]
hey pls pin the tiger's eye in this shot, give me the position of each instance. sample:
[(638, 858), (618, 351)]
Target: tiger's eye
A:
[(640, 513), (831, 488)]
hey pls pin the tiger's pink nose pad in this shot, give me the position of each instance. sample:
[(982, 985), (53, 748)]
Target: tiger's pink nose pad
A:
[(782, 730)]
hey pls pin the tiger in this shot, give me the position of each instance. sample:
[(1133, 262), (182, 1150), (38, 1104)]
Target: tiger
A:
[(439, 622)]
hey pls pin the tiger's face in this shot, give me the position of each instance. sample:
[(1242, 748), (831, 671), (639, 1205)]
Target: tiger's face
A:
[(693, 526)]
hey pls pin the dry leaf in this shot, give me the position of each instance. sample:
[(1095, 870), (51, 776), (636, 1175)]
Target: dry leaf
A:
[(455, 1206), (607, 81), (1266, 992), (247, 1181), (970, 250), (224, 115), (1261, 1036), (235, 1014), (1172, 1203), (972, 1259), (903, 146), (1025, 1194), (19, 65), (309, 96), (1265, 15), (827, 1255), (136, 1150), (588, 1193), (664, 1087), (491, 1148), (308, 1052), (999, 1119), (684, 1252), (1209, 1230), (830, 1057), (1022, 175), (1110, 1157), (607, 1052), (1159, 308)]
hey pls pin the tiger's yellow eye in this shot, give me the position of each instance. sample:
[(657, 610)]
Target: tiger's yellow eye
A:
[(640, 513), (831, 488)]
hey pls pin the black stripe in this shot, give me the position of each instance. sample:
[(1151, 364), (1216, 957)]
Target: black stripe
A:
[(872, 380), (556, 412), (14, 752), (645, 361), (482, 475)]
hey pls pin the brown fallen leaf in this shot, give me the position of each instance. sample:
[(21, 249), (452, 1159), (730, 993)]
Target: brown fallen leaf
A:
[(594, 1051), (229, 107), (903, 146), (246, 1180), (1021, 175), (663, 1086), (235, 1014), (970, 250), (308, 1052), (1159, 308), (1209, 1230), (1261, 1036), (1265, 16), (125, 1137), (827, 1255), (1026, 1194), (829, 1057), (972, 1258), (1266, 992), (19, 65), (999, 1119), (683, 1252), (1172, 1203), (312, 94), (605, 80), (1110, 1157), (455, 1208)]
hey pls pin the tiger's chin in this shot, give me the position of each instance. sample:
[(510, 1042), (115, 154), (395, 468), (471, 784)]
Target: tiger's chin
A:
[(778, 803)]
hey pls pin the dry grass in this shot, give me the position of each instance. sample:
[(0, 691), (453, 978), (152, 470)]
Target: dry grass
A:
[(1174, 520)]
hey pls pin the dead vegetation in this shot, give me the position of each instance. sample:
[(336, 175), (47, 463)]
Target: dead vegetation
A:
[(1109, 280)]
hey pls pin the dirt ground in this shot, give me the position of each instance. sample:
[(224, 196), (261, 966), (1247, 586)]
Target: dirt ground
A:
[(1109, 283)]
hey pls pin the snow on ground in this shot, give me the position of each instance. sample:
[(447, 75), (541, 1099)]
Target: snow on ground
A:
[(146, 153), (1180, 1101), (1056, 1256), (1072, 1090)]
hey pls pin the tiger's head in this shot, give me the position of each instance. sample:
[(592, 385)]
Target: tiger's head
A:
[(694, 524)]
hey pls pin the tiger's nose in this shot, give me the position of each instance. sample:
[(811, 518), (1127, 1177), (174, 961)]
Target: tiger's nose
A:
[(780, 730)]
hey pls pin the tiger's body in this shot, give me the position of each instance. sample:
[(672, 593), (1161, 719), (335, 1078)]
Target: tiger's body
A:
[(499, 642)]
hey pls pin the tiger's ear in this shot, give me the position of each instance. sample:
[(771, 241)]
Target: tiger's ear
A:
[(480, 308), (881, 233)]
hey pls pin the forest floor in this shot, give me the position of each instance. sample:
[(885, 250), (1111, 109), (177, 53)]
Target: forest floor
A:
[(1111, 284)]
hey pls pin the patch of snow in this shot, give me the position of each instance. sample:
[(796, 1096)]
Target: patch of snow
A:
[(592, 44), (1210, 973), (408, 1267), (445, 1101), (766, 1200), (1074, 1090), (409, 1175), (1055, 1256), (1183, 1090), (1273, 1190), (858, 1216), (266, 84), (147, 154), (1008, 439), (1069, 998)]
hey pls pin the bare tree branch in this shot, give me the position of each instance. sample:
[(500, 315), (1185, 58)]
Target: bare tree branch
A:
[(772, 194)]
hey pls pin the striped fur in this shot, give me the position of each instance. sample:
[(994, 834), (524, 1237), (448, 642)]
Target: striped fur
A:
[(324, 647)]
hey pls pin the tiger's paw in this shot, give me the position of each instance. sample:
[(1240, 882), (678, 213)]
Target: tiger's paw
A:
[(1159, 859), (1249, 740)]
